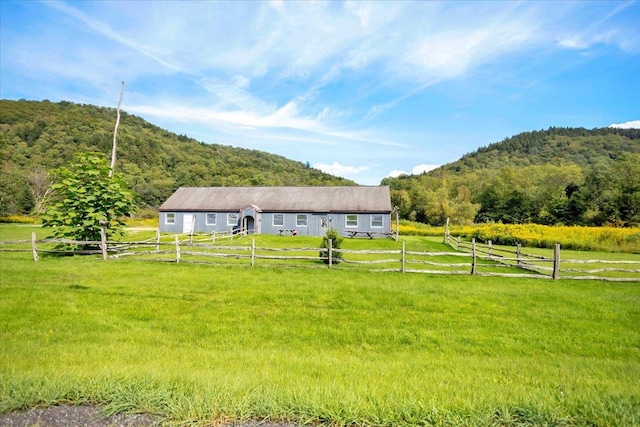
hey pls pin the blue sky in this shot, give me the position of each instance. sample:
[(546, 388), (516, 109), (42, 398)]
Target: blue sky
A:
[(362, 90)]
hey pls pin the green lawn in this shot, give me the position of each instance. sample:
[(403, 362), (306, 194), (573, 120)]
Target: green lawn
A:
[(197, 344)]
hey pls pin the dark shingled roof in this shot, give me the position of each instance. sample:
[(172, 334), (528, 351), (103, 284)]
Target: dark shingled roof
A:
[(281, 199)]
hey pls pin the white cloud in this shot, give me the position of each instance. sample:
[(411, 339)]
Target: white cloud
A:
[(339, 169), (417, 170), (574, 41), (634, 124), (627, 41), (396, 173)]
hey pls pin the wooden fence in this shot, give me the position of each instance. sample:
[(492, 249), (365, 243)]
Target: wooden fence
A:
[(466, 258), (549, 266)]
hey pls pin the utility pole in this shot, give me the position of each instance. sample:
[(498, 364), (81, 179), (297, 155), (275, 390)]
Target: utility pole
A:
[(115, 134)]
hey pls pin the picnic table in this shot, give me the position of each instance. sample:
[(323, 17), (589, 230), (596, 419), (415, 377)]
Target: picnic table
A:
[(369, 234), (356, 233), (284, 231)]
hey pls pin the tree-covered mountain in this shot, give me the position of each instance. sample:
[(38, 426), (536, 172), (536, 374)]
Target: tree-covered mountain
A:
[(38, 137), (553, 176), (553, 146)]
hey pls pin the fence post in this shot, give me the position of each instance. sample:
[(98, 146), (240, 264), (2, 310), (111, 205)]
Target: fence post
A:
[(103, 242), (490, 247), (213, 237), (157, 239), (518, 249), (458, 243), (473, 256), (556, 261), (446, 232), (177, 248), (403, 258), (330, 254), (34, 248), (397, 209), (253, 251)]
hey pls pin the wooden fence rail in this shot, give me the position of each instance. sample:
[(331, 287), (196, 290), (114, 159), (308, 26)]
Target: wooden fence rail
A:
[(467, 258), (535, 263)]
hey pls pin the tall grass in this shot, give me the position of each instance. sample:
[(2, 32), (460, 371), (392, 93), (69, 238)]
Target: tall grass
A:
[(198, 344), (611, 239)]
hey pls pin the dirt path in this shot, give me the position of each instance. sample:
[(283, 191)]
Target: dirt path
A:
[(71, 416), (89, 416)]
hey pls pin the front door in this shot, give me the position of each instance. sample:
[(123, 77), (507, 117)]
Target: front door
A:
[(249, 224), (188, 223), (250, 218)]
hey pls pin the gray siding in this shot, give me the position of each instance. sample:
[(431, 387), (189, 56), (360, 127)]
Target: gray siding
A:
[(316, 224), (200, 224)]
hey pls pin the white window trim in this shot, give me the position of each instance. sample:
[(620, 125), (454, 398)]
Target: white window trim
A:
[(346, 221), (273, 222), (215, 218), (229, 216), (306, 220), (173, 218), (381, 221)]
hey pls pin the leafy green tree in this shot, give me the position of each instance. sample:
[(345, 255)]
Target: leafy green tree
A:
[(84, 199), (402, 200), (628, 195), (14, 194), (568, 208)]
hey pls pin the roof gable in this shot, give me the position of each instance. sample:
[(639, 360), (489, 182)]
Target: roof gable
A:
[(287, 199)]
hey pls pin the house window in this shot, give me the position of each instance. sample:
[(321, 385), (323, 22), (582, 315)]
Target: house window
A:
[(232, 219), (170, 218), (211, 219), (301, 220), (352, 220), (278, 220), (376, 221)]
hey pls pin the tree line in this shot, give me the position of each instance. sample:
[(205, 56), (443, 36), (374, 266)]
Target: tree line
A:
[(558, 176)]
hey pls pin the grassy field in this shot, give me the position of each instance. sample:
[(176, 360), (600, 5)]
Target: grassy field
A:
[(201, 344)]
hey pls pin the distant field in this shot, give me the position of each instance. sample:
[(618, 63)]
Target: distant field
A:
[(607, 239), (195, 344)]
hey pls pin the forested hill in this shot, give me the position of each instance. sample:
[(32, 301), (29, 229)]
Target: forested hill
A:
[(580, 146), (553, 176), (37, 136)]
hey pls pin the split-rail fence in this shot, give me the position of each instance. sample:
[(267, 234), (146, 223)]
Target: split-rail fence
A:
[(464, 258)]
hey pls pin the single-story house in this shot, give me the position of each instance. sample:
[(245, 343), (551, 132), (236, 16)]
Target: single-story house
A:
[(278, 210)]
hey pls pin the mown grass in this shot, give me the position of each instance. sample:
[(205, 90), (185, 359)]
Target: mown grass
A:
[(198, 344)]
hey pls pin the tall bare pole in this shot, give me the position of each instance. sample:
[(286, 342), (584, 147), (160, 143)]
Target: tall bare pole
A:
[(115, 134)]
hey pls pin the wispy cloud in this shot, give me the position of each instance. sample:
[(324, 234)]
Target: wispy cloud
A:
[(626, 38), (110, 33), (286, 118), (283, 117)]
